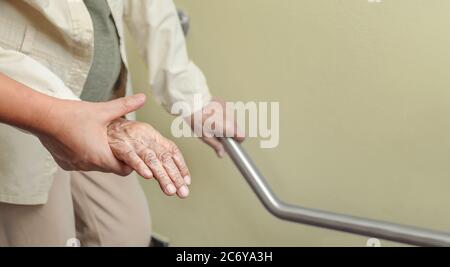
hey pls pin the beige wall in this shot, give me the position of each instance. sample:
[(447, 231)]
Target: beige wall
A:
[(365, 96)]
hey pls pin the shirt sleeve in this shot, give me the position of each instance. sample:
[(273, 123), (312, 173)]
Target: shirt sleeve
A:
[(173, 76), (31, 73)]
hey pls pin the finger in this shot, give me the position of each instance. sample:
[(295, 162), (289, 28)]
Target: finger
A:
[(231, 124), (149, 157), (232, 130), (122, 106), (114, 160), (63, 165), (135, 162), (117, 167), (174, 174), (239, 135), (216, 145), (126, 170), (181, 164)]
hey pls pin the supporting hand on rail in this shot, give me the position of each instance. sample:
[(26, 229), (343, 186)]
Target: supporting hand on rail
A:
[(213, 122)]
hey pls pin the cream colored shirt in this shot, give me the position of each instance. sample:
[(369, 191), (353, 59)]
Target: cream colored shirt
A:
[(48, 46)]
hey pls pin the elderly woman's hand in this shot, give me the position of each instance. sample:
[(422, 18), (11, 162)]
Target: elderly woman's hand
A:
[(222, 125), (150, 154)]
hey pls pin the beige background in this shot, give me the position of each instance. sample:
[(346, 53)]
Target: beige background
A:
[(365, 96)]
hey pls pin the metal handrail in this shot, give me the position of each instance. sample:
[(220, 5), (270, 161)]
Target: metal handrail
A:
[(360, 226)]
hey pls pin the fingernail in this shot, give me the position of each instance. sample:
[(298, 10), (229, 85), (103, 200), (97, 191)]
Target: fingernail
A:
[(221, 154), (171, 189), (187, 180), (147, 174), (138, 99), (183, 191)]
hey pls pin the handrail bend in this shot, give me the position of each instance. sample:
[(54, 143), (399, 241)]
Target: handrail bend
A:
[(329, 220)]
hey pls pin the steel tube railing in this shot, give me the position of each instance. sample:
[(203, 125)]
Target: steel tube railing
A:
[(329, 220)]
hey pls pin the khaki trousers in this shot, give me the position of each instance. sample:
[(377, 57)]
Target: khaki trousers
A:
[(96, 208)]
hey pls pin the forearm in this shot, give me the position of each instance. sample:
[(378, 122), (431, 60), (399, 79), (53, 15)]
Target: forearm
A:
[(155, 26), (23, 107)]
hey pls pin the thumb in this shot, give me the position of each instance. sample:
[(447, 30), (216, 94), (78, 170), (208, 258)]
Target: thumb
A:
[(122, 106)]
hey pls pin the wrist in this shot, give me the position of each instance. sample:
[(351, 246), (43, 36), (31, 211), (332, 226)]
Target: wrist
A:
[(50, 118)]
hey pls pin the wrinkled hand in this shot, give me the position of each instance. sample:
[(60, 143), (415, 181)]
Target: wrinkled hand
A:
[(223, 125), (145, 150), (76, 133)]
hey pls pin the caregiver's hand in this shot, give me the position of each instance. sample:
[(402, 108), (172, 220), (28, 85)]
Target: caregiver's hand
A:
[(75, 133), (150, 154)]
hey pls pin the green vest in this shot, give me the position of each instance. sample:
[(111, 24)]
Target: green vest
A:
[(107, 62)]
